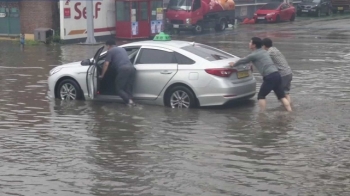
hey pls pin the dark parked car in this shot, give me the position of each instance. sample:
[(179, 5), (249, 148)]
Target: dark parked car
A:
[(315, 7)]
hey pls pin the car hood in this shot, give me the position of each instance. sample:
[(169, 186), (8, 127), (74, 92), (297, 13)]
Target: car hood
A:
[(265, 11), (74, 64)]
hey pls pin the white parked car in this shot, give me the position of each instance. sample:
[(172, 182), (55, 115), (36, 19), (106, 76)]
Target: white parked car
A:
[(178, 74)]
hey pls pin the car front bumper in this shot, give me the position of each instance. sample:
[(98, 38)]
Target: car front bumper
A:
[(266, 18), (182, 27)]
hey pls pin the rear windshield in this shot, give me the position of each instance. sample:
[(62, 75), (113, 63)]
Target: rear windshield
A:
[(270, 6), (206, 52)]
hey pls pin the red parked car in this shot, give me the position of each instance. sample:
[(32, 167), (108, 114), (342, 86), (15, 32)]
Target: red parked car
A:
[(275, 12)]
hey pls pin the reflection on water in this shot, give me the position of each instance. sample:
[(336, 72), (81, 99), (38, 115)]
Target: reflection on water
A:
[(53, 147)]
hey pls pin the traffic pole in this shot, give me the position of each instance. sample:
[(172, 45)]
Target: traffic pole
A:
[(90, 23)]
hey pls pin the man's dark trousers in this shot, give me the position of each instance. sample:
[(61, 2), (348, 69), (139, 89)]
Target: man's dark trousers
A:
[(124, 82)]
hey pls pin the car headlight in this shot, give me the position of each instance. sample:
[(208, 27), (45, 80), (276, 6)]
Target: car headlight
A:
[(55, 70), (188, 20)]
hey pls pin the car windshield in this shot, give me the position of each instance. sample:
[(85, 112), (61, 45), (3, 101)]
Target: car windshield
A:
[(180, 5), (206, 52), (311, 1), (270, 6)]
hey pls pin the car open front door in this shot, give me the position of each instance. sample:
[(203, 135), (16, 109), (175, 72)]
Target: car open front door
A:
[(155, 67), (91, 75)]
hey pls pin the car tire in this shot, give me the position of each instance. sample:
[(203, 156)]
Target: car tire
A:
[(329, 13), (292, 18), (198, 29), (172, 99), (221, 26), (318, 13), (278, 18), (69, 89)]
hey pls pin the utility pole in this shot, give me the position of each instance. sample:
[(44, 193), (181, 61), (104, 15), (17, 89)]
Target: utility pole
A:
[(90, 23)]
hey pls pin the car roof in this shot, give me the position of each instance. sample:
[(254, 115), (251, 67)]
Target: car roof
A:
[(171, 43)]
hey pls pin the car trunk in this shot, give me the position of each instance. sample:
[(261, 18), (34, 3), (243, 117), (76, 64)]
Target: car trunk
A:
[(241, 73)]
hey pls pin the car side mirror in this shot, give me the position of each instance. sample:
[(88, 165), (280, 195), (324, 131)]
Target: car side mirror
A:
[(86, 62)]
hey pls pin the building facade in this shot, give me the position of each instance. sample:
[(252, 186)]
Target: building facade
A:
[(24, 16)]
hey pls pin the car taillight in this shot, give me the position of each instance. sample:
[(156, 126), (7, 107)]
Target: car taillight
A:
[(222, 72)]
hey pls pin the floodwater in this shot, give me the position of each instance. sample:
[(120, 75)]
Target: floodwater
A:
[(52, 147)]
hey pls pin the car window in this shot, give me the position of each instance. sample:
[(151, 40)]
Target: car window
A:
[(183, 60), (196, 4), (206, 52), (155, 56)]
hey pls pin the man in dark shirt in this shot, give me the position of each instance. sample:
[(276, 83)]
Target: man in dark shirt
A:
[(119, 59)]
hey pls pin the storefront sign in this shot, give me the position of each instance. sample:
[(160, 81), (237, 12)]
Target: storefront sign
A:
[(73, 18), (67, 12)]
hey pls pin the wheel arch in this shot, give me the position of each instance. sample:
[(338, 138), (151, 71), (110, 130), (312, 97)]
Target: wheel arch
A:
[(64, 78), (167, 91)]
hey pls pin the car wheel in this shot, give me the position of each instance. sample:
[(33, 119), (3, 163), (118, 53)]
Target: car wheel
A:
[(292, 18), (198, 28), (278, 19), (68, 89), (180, 97), (318, 14), (221, 26), (330, 12)]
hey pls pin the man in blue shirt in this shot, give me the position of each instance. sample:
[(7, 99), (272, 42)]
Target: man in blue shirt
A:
[(272, 78), (119, 59)]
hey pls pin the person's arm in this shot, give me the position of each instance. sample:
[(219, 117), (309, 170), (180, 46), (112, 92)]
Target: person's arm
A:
[(108, 59), (244, 60)]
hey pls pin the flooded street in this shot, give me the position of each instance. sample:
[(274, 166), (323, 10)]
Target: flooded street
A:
[(51, 147)]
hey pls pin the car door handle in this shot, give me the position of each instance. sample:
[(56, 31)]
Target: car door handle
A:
[(166, 72)]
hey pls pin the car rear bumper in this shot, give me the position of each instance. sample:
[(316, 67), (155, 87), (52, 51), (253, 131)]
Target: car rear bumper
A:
[(222, 95)]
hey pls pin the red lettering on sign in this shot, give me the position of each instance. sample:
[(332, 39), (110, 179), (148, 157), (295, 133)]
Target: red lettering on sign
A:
[(76, 7), (82, 13), (97, 8)]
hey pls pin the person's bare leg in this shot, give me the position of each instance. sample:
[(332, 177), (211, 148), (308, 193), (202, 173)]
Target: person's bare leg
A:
[(286, 104), (288, 98), (262, 104)]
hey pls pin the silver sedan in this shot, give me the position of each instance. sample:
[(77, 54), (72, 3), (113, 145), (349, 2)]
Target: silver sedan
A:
[(173, 73)]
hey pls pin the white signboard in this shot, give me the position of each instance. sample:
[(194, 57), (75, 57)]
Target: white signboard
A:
[(244, 11), (73, 18), (135, 28)]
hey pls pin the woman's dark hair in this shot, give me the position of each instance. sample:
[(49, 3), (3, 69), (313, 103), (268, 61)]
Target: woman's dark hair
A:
[(110, 42), (267, 42), (257, 42)]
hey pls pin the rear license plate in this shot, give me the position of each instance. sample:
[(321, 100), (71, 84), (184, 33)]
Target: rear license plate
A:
[(305, 10), (176, 26), (261, 17), (242, 74), (340, 8)]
